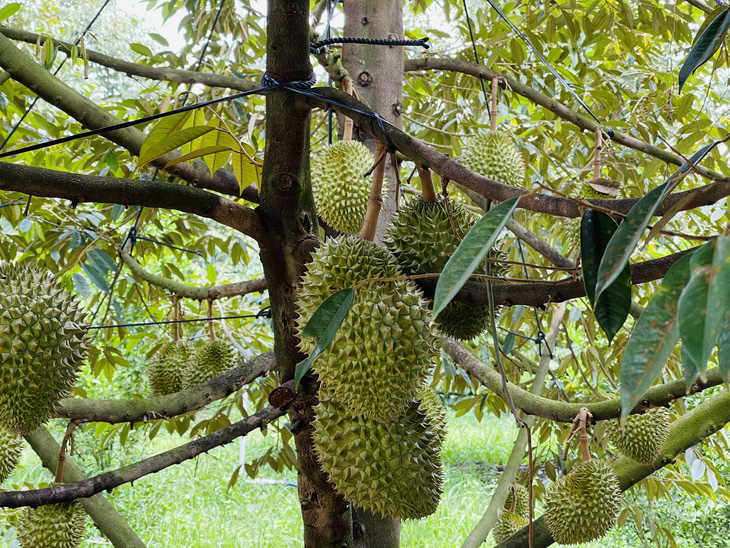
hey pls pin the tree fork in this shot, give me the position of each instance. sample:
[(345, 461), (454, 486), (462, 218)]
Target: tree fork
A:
[(288, 213)]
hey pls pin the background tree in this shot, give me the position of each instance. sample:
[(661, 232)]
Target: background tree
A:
[(237, 226)]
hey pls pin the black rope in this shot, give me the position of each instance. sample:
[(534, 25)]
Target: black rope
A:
[(476, 55), (263, 313), (330, 13), (318, 47), (14, 202), (158, 242)]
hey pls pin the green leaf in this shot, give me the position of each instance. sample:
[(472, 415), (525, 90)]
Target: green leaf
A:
[(612, 309), (654, 336), (197, 154), (691, 370), (159, 39), (218, 138), (170, 142), (723, 348), (196, 119), (81, 285), (323, 325), (165, 127), (470, 253), (95, 277), (704, 302), (9, 10), (141, 49), (246, 173), (708, 40), (102, 261)]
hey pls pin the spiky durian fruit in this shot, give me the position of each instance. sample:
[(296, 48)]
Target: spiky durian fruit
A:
[(384, 348), (583, 505), (435, 413), (598, 189), (52, 526), (643, 436), (168, 367), (421, 238), (507, 525), (522, 502), (341, 190), (11, 448), (495, 155), (210, 360), (393, 468), (43, 340)]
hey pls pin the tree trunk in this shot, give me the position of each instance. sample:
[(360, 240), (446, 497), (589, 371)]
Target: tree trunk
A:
[(288, 214)]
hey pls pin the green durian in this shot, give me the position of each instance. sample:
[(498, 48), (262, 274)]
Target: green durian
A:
[(522, 496), (583, 505), (421, 238), (507, 525), (210, 360), (384, 349), (643, 436), (341, 191), (435, 413), (43, 340), (392, 468), (11, 448), (52, 526), (495, 155), (168, 368)]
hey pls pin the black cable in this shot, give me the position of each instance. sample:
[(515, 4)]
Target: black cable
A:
[(317, 47), (136, 237), (330, 13), (263, 313), (476, 55)]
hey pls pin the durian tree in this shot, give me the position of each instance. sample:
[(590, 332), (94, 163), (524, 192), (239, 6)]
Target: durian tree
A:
[(326, 283)]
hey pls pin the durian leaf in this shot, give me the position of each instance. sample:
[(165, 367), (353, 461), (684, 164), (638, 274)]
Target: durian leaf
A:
[(627, 236), (470, 253), (612, 309), (219, 137), (323, 325), (197, 154), (708, 41), (170, 142), (9, 10), (723, 348), (95, 277), (102, 261), (704, 302), (246, 173), (654, 336), (690, 368), (196, 119), (81, 285)]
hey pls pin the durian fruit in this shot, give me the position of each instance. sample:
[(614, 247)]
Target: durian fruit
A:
[(643, 436), (495, 155), (52, 526), (422, 239), (210, 360), (507, 525), (384, 348), (583, 505), (594, 189), (168, 367), (522, 503), (341, 191), (435, 412), (43, 340), (392, 468), (11, 448)]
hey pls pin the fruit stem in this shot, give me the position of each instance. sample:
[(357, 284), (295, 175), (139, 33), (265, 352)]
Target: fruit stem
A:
[(493, 112), (62, 454), (211, 328), (176, 326), (428, 190), (347, 133), (597, 154), (375, 202)]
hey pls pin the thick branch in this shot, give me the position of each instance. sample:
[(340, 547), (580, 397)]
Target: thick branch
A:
[(25, 70), (78, 188), (110, 522), (565, 411), (687, 431), (160, 407), (191, 291), (109, 480)]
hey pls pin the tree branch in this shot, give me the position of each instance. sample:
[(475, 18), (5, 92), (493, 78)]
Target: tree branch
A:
[(162, 407), (25, 70), (109, 480), (78, 188), (534, 241), (687, 431), (560, 411)]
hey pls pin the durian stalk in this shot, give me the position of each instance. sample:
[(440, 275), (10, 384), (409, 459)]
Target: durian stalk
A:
[(347, 88), (375, 202), (428, 191), (493, 113), (62, 454), (176, 325), (211, 328), (597, 154)]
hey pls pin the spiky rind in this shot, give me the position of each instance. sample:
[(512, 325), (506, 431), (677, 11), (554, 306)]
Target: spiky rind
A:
[(495, 155), (168, 368), (341, 191), (11, 448), (53, 526), (384, 348), (210, 360), (583, 505), (43, 340), (643, 436), (421, 238), (392, 468), (523, 499), (507, 525), (435, 413)]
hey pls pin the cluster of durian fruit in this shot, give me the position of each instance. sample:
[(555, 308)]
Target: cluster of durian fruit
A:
[(43, 341)]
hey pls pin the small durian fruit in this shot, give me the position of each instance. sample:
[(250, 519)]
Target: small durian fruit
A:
[(392, 468), (421, 238), (341, 190), (168, 367), (52, 525), (583, 505), (43, 340), (507, 525), (384, 348), (210, 360), (11, 448), (495, 155), (435, 413), (643, 436), (522, 502)]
